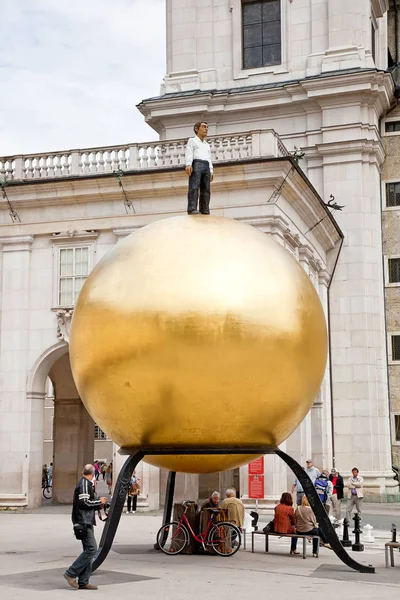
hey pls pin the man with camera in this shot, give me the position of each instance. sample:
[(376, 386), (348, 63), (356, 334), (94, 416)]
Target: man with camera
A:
[(85, 504)]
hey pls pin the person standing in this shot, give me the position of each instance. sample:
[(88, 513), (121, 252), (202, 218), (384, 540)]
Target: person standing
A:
[(324, 488), (96, 469), (85, 503), (337, 496), (133, 492), (200, 170), (103, 470), (109, 477), (313, 473), (355, 495)]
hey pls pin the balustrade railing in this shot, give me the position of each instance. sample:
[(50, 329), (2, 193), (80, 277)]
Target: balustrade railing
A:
[(145, 156)]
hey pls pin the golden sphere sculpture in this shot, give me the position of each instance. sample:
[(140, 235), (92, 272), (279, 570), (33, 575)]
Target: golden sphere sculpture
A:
[(198, 331)]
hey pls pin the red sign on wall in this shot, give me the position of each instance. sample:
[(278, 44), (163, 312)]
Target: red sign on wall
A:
[(256, 486), (256, 467)]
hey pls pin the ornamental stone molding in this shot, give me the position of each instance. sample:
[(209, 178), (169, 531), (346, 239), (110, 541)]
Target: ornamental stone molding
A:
[(75, 234), (64, 317)]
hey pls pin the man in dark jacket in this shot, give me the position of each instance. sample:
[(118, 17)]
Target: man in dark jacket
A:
[(338, 487), (85, 504)]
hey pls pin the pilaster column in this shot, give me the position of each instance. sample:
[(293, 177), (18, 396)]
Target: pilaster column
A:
[(348, 35), (15, 407)]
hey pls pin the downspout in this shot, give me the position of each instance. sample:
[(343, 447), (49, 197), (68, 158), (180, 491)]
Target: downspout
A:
[(330, 353), (396, 32)]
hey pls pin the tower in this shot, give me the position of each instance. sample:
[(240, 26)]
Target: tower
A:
[(312, 70)]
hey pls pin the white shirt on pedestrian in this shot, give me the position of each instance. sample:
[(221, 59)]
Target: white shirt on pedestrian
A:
[(198, 150)]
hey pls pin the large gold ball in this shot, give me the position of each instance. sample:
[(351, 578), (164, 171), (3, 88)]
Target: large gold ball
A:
[(198, 331)]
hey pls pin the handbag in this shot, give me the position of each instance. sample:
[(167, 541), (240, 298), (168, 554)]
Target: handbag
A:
[(80, 531), (134, 489), (269, 528)]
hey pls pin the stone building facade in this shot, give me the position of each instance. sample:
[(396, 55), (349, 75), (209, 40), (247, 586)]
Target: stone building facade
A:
[(268, 76)]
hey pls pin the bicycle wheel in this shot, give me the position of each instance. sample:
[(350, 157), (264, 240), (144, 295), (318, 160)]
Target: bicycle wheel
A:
[(47, 492), (172, 538), (224, 538)]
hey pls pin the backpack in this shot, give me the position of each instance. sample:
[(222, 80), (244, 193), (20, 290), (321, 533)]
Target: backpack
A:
[(321, 485)]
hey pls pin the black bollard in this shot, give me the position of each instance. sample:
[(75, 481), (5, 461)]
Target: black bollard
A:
[(254, 516), (357, 546), (394, 532), (346, 543)]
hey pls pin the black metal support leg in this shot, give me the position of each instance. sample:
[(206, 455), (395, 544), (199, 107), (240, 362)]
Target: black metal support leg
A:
[(321, 515), (169, 497), (117, 504)]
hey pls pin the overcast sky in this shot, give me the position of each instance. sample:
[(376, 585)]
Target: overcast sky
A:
[(72, 71)]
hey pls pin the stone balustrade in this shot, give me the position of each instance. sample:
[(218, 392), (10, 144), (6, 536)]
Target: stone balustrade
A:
[(149, 155)]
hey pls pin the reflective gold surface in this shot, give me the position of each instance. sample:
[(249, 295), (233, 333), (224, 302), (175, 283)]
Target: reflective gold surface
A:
[(198, 331)]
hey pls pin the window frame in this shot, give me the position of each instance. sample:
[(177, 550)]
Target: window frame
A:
[(385, 183), (100, 439), (62, 245), (237, 48), (391, 360), (389, 120), (395, 414), (248, 3), (386, 270)]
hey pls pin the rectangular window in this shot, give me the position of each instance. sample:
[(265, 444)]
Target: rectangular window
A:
[(395, 347), (99, 433), (261, 33), (393, 194), (397, 428), (392, 126), (394, 270), (73, 271)]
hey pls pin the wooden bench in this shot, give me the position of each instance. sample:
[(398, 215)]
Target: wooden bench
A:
[(289, 535), (389, 546)]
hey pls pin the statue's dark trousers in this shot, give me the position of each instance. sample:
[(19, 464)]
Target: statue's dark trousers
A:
[(199, 187)]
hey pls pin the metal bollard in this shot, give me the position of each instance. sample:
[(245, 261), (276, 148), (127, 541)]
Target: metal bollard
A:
[(357, 546), (368, 537), (346, 543), (394, 532)]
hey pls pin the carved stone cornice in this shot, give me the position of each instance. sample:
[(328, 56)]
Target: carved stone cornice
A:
[(74, 234), (64, 316), (16, 243)]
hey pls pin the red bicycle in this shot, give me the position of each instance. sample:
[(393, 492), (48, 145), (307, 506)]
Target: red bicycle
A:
[(223, 537)]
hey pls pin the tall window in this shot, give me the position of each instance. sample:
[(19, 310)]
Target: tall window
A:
[(73, 271), (373, 40), (99, 434), (397, 428), (395, 347), (261, 27), (393, 194), (394, 270)]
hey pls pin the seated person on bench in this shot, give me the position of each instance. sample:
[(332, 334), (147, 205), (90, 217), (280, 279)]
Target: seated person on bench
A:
[(306, 524), (284, 519)]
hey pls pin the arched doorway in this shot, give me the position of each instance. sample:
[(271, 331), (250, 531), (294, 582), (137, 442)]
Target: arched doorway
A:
[(73, 428)]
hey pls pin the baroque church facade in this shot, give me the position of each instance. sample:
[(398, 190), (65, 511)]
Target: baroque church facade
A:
[(295, 93)]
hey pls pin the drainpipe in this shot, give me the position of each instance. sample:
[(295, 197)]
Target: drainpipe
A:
[(330, 353), (396, 32)]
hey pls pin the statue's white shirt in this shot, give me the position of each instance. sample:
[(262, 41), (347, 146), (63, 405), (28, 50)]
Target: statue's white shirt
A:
[(198, 150)]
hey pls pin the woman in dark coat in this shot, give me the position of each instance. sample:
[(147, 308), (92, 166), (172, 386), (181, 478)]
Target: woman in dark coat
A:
[(338, 487)]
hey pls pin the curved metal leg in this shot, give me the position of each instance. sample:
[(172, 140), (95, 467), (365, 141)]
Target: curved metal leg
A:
[(321, 515), (117, 504)]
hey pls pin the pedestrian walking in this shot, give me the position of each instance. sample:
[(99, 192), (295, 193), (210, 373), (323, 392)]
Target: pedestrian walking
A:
[(355, 493), (103, 470), (85, 503), (50, 474)]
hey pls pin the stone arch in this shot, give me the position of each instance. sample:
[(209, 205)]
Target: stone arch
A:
[(41, 368)]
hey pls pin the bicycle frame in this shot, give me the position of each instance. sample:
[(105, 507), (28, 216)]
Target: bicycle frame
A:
[(202, 537)]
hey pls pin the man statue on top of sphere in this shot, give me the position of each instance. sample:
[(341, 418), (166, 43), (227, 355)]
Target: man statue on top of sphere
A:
[(200, 170)]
